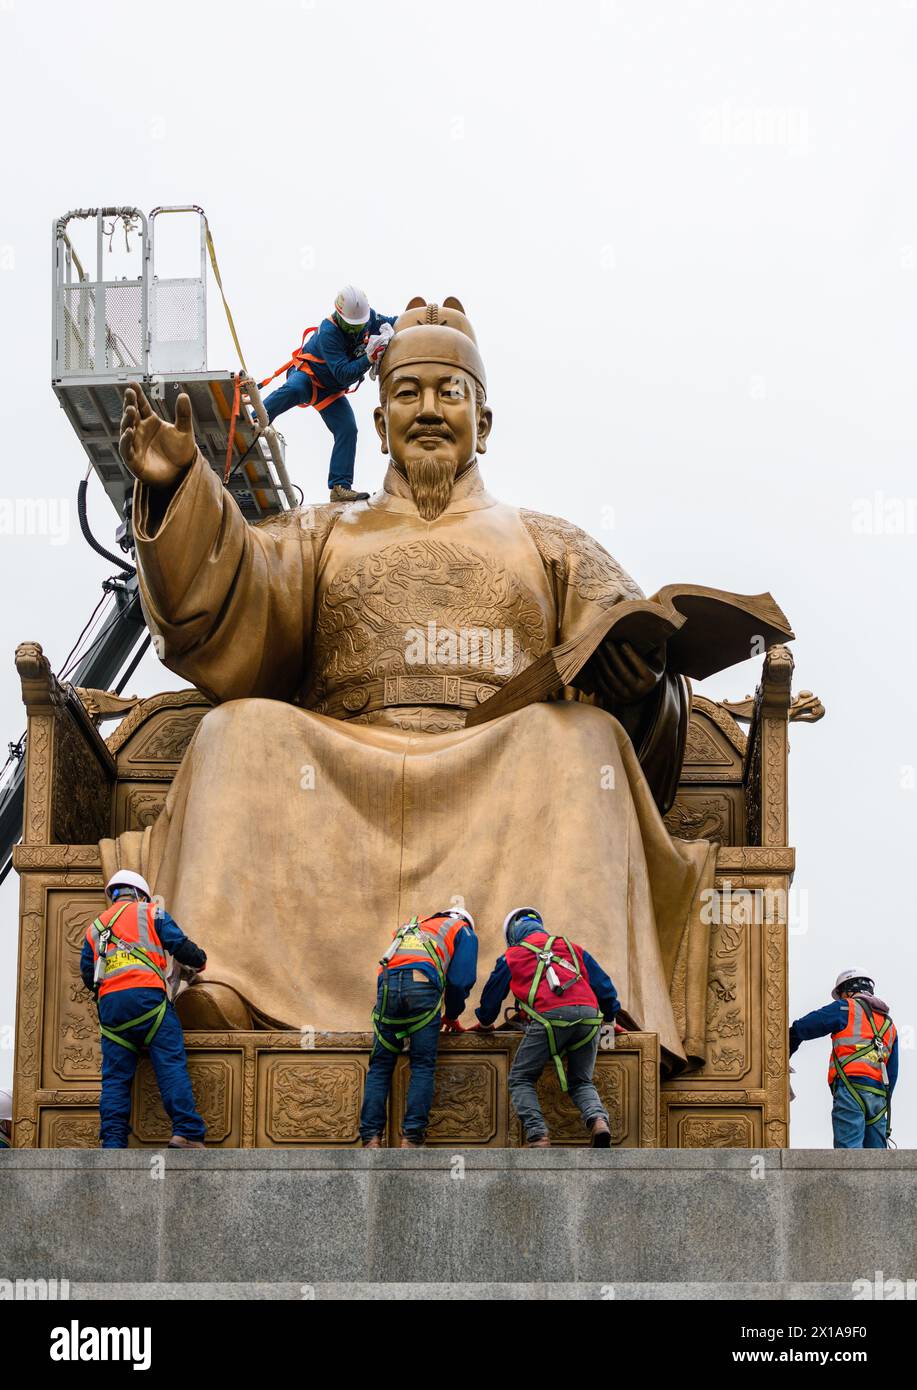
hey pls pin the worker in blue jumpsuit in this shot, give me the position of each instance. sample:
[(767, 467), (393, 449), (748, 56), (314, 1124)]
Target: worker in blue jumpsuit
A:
[(331, 361), (123, 963)]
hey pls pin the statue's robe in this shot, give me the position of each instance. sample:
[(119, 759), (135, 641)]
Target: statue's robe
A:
[(328, 796)]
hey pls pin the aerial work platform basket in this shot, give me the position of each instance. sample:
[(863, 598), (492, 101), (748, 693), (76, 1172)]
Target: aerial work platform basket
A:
[(108, 331)]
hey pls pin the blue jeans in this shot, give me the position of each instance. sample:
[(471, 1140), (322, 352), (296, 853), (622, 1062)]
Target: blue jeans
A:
[(407, 997), (167, 1053), (339, 417), (850, 1128)]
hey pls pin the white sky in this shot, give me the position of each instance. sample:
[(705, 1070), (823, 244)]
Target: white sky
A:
[(687, 236)]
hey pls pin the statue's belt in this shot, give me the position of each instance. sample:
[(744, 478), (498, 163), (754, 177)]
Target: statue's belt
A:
[(406, 690)]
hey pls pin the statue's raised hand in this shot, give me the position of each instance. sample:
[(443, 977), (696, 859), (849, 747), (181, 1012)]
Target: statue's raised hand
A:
[(156, 452)]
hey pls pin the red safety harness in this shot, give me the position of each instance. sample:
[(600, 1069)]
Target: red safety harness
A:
[(303, 361)]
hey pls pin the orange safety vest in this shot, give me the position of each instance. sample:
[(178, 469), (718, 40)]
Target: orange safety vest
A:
[(860, 1050), (418, 943), (134, 957), (302, 361)]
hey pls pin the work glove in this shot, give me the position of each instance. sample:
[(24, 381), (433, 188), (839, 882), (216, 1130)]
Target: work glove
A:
[(375, 346), (452, 1025)]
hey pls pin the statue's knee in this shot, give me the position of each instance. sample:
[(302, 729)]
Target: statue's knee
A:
[(237, 715)]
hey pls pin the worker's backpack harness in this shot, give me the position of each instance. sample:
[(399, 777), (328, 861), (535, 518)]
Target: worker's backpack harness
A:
[(428, 942), (548, 961), (875, 1051), (158, 1012)]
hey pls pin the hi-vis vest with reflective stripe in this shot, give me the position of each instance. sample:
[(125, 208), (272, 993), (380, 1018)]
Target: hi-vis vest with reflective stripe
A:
[(439, 932), (136, 926), (857, 1037)]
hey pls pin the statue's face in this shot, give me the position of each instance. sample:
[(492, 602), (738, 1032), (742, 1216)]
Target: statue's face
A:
[(432, 411), (432, 426)]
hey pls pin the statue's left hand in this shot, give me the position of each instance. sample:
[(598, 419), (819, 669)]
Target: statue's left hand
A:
[(624, 675)]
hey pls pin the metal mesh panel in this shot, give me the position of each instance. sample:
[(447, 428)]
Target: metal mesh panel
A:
[(122, 304), (123, 324), (77, 330), (177, 326)]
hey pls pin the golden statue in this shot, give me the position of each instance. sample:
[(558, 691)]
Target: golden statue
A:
[(334, 790)]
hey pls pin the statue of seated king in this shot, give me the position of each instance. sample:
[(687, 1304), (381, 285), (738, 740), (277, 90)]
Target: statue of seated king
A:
[(334, 789)]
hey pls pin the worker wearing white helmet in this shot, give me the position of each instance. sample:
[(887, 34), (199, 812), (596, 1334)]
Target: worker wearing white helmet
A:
[(330, 362), (123, 964), (566, 997), (863, 1068), (423, 983)]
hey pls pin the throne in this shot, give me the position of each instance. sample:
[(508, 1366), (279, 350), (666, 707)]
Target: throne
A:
[(283, 1089)]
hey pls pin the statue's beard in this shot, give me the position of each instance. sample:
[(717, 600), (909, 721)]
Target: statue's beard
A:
[(431, 478)]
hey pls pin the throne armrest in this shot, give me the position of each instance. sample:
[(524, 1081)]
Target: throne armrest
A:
[(69, 771)]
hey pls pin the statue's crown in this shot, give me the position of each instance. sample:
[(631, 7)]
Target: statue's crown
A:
[(435, 333)]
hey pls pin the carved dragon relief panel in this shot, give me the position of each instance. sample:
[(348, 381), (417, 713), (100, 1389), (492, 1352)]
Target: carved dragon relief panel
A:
[(215, 1083), (728, 1002), (138, 806), (716, 1132), (702, 815), (464, 1101), (74, 1031), (311, 1099), (81, 790), (69, 1129), (166, 739)]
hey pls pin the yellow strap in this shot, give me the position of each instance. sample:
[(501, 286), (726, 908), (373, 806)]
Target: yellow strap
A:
[(216, 275)]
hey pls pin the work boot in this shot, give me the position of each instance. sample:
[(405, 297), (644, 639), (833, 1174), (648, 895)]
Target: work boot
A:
[(542, 1142), (407, 1143), (601, 1134), (339, 493), (374, 1143), (178, 1141)]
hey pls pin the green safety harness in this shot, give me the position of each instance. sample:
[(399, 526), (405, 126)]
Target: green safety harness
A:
[(157, 1013), (877, 1045), (418, 1021), (547, 960)]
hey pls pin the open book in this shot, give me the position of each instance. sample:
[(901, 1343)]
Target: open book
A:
[(705, 630)]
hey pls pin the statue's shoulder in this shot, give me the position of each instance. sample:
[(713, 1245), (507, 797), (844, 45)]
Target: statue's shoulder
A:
[(314, 520), (577, 558)]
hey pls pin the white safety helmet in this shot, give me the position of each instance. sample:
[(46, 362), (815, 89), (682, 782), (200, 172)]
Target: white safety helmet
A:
[(846, 976), (352, 305), (460, 912), (518, 912), (126, 878), (6, 1106)]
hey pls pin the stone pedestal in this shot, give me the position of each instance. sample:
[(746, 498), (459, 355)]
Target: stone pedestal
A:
[(497, 1223)]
